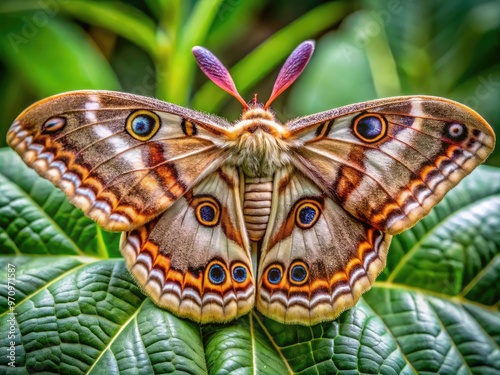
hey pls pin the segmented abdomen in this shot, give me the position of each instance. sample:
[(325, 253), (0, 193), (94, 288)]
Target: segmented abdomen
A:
[(257, 205)]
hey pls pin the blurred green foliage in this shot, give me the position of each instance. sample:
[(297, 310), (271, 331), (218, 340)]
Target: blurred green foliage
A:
[(366, 49)]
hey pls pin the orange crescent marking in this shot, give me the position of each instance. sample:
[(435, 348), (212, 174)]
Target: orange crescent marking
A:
[(195, 281), (345, 275)]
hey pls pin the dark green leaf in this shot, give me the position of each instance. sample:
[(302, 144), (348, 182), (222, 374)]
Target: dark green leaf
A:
[(36, 218), (434, 309)]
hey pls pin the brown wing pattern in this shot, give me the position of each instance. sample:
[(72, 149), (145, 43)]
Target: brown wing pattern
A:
[(359, 174), (389, 161), (121, 158), (316, 258), (194, 259)]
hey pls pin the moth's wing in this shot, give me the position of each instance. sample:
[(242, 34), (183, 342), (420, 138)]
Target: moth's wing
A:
[(392, 179), (316, 258), (79, 140), (194, 259)]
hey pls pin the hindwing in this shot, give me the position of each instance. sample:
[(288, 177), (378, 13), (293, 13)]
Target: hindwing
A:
[(316, 258), (194, 259)]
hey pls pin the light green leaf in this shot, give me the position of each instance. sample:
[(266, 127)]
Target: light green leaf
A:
[(63, 44), (120, 18), (180, 68)]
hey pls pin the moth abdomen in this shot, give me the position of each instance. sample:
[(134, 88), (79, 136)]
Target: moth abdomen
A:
[(257, 205)]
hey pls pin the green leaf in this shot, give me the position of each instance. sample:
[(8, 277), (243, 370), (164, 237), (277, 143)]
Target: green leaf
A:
[(120, 18), (181, 66), (63, 44), (36, 218), (233, 22), (434, 308), (242, 344)]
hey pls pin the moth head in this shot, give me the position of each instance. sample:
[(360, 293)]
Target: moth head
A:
[(290, 71)]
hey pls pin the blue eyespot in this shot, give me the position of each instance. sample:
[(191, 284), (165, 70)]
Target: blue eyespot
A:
[(207, 213), (239, 274), (307, 215), (142, 125), (274, 275), (369, 127), (298, 273), (216, 274), (207, 210), (307, 212)]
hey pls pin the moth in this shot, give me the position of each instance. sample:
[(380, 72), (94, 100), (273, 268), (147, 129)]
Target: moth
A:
[(294, 218)]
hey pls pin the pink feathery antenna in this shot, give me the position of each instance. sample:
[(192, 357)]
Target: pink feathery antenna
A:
[(290, 71)]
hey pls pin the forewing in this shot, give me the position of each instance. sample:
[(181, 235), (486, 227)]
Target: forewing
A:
[(392, 179), (82, 142)]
